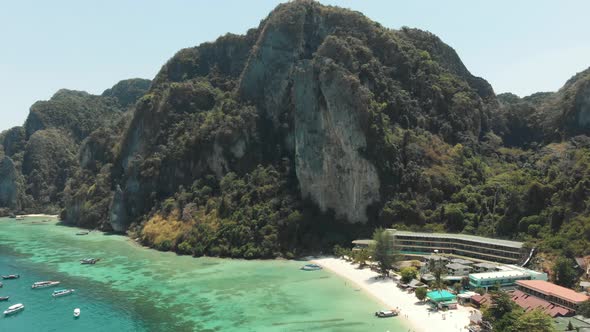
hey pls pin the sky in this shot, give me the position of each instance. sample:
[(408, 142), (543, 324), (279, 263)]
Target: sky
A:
[(521, 46)]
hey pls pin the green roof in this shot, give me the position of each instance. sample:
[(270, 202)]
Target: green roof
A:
[(440, 296)]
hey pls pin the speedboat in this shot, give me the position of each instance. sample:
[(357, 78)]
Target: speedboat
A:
[(45, 284), (77, 312), (386, 313), (82, 233), (4, 298), (11, 276), (311, 267), (62, 292), (14, 309), (89, 260)]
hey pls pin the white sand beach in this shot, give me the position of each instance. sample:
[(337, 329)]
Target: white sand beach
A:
[(386, 291), (39, 215)]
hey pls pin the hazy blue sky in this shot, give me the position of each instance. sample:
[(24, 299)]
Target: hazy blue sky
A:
[(518, 46)]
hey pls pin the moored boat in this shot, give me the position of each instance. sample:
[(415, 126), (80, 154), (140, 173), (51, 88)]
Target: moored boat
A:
[(11, 276), (311, 267), (386, 313), (89, 260), (44, 284), (4, 298), (62, 292), (77, 312), (82, 233), (14, 309), (20, 218)]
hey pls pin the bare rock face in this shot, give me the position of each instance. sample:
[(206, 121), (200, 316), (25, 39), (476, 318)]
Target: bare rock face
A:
[(286, 37), (329, 108), (118, 216), (582, 105)]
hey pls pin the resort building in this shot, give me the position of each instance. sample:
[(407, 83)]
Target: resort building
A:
[(457, 269), (362, 244), (442, 299), (485, 267), (462, 261), (552, 293), (506, 277), (481, 248), (530, 302)]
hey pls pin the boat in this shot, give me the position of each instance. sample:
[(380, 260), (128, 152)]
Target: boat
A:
[(44, 284), (14, 309), (11, 276), (77, 312), (82, 233), (62, 292), (89, 260), (1, 285), (311, 267), (386, 313), (20, 218), (4, 298)]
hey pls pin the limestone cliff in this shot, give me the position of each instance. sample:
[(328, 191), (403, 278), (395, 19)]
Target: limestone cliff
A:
[(317, 126), (330, 116), (315, 76)]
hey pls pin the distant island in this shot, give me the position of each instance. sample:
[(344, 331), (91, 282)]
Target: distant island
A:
[(309, 131)]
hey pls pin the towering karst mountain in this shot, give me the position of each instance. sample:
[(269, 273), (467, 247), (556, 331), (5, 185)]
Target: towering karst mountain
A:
[(317, 126)]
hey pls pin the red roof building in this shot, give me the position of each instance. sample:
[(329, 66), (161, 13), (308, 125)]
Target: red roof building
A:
[(530, 302), (480, 300), (552, 293)]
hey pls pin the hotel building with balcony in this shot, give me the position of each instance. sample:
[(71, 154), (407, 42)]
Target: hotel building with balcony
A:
[(476, 247)]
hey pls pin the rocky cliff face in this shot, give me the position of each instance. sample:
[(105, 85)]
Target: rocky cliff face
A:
[(329, 134), (73, 130), (316, 125), (574, 100)]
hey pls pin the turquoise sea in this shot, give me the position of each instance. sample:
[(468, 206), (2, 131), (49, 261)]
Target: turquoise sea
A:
[(137, 289)]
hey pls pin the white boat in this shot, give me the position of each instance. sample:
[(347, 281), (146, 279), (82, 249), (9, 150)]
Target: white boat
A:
[(62, 292), (14, 309), (311, 267), (20, 218), (77, 312), (387, 313), (44, 284), (89, 260)]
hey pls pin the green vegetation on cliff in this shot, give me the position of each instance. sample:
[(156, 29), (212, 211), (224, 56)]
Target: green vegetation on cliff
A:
[(314, 128)]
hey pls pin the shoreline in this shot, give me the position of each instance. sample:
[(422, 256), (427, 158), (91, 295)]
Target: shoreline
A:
[(43, 215), (413, 313)]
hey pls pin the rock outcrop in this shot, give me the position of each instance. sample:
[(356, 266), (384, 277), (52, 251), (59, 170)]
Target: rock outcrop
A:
[(330, 115)]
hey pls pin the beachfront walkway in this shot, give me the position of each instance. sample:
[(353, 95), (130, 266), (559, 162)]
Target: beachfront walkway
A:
[(415, 313)]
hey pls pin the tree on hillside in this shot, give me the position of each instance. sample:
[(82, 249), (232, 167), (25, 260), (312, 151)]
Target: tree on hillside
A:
[(421, 293), (534, 321), (564, 273), (382, 250)]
